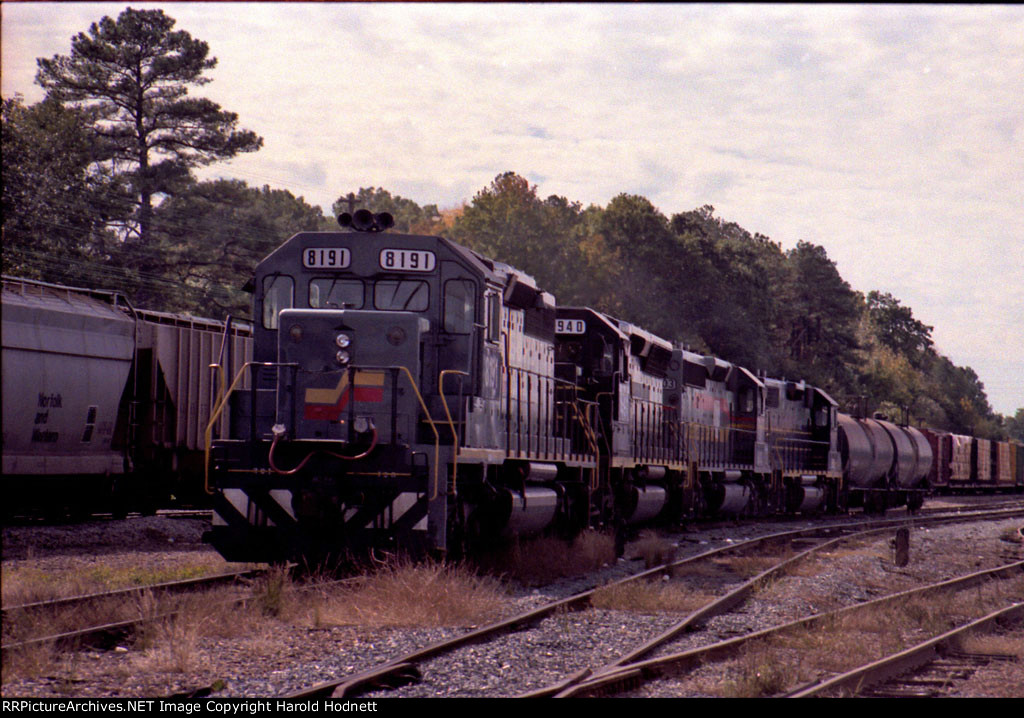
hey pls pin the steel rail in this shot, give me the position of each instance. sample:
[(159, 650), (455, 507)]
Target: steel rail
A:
[(375, 676), (677, 663), (182, 585), (904, 661), (122, 627), (350, 685)]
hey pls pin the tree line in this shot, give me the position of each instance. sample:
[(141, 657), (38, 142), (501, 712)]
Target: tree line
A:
[(99, 190)]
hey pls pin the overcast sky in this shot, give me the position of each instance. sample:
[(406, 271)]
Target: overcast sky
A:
[(891, 135)]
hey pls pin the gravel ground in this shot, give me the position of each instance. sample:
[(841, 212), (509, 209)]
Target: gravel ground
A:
[(276, 657)]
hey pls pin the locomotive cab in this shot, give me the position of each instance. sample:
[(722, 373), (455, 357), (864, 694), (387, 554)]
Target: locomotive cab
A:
[(802, 431), (371, 351)]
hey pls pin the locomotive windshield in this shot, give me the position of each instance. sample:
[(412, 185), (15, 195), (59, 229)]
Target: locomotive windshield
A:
[(459, 304), (336, 294), (405, 295)]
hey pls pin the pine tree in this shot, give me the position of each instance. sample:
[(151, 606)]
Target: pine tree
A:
[(133, 75)]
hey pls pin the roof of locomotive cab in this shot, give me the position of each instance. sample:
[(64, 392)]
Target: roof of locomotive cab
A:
[(803, 386), (493, 271), (609, 322)]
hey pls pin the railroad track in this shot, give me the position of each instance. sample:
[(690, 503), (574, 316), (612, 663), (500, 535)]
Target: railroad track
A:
[(110, 630), (927, 670), (793, 547), (105, 633), (618, 678)]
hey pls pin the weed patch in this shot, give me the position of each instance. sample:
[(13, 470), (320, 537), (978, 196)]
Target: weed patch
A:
[(649, 597), (423, 595)]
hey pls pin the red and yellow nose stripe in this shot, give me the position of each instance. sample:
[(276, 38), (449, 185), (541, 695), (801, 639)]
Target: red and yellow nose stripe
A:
[(327, 404)]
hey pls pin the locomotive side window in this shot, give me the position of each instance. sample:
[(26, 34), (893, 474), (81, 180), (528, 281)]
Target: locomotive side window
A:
[(493, 317), (401, 295), (336, 294), (569, 352), (607, 365), (694, 374), (746, 400), (459, 306), (278, 290)]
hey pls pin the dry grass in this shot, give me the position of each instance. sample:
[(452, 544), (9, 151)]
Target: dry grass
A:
[(421, 595), (703, 569), (797, 656), (1003, 679), (994, 644), (27, 584), (537, 561), (649, 597), (750, 566), (758, 673), (821, 562), (424, 595), (175, 646), (653, 549)]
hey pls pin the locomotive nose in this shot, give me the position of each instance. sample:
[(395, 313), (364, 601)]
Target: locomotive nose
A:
[(351, 369)]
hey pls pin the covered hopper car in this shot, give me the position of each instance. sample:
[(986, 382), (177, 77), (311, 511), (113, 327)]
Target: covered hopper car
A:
[(105, 406)]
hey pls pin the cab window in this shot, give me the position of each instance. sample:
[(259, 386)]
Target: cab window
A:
[(459, 306), (336, 294), (401, 295), (278, 293), (493, 317)]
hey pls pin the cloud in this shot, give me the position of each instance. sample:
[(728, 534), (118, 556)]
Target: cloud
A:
[(891, 135)]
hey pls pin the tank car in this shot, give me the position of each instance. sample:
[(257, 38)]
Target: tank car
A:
[(885, 465)]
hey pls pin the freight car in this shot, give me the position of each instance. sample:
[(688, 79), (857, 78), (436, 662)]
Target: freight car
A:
[(965, 463), (407, 392), (104, 405)]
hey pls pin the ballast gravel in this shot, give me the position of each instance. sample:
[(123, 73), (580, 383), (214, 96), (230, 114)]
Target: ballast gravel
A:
[(277, 658)]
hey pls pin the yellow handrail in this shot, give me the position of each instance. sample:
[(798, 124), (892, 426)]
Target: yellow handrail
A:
[(455, 434), (430, 420), (592, 440), (215, 415), (223, 402)]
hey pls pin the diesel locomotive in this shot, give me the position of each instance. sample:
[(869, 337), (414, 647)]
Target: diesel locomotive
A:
[(407, 393)]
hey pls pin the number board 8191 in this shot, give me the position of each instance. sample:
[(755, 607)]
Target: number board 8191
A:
[(326, 258), (407, 260)]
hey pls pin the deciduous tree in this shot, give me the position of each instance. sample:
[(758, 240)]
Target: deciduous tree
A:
[(54, 206)]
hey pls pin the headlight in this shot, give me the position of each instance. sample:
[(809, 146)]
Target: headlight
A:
[(342, 356), (396, 335), (343, 340)]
